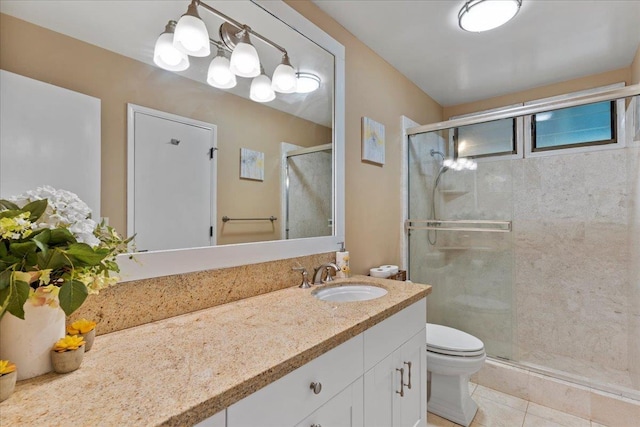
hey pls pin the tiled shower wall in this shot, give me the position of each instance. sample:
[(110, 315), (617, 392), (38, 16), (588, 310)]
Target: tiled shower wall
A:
[(562, 291)]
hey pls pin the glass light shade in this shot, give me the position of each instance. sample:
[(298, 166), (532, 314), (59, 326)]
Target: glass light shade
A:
[(307, 82), (484, 15), (219, 74), (166, 56), (191, 36), (284, 79), (245, 61), (261, 89)]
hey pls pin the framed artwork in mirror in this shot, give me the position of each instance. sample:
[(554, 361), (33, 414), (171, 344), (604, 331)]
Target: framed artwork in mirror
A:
[(251, 164), (373, 144)]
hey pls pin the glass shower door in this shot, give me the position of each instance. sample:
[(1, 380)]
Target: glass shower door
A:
[(460, 240)]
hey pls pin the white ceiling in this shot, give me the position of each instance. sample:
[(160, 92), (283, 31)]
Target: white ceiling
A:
[(548, 41)]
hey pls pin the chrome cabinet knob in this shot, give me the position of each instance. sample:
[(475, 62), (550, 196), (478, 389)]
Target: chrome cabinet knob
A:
[(316, 387)]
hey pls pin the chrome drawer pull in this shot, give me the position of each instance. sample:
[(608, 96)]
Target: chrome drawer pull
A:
[(316, 387), (316, 425), (409, 365), (401, 392)]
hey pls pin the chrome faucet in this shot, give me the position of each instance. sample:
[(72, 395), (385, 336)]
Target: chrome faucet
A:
[(317, 275)]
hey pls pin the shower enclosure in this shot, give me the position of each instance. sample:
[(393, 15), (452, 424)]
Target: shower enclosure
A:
[(307, 191), (536, 255)]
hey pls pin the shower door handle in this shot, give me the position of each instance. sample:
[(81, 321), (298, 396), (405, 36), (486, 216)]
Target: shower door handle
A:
[(409, 384), (401, 392)]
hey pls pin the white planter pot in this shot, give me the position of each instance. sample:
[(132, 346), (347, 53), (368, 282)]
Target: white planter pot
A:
[(28, 342)]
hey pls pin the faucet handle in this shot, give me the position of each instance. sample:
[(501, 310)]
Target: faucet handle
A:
[(305, 277)]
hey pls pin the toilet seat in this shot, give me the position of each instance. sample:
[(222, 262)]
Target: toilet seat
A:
[(452, 342)]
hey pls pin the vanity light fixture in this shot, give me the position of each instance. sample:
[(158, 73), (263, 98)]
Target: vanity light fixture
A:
[(261, 90), (483, 15), (190, 37), (307, 82), (219, 74), (165, 54)]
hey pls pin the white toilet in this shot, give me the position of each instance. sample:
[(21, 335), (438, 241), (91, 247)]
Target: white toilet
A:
[(452, 357)]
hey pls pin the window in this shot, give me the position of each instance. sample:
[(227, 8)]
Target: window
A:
[(591, 124), (486, 139)]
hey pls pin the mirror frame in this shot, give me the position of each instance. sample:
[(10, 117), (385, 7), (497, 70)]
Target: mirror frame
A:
[(146, 265)]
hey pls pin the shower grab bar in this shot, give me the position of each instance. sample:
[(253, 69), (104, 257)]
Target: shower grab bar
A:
[(459, 225), (227, 219)]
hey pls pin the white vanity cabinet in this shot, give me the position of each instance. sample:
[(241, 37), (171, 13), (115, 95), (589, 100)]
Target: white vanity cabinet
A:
[(395, 376), (352, 385), (300, 393)]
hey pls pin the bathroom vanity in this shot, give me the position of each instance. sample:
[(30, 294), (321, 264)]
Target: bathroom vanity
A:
[(282, 358)]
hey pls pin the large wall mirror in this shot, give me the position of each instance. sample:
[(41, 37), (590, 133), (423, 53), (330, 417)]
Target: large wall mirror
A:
[(275, 184)]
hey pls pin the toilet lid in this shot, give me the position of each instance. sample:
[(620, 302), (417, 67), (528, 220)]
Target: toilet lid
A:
[(445, 340)]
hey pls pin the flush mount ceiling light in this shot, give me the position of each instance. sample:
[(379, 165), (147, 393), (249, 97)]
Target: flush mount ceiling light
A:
[(191, 37), (483, 15), (307, 82)]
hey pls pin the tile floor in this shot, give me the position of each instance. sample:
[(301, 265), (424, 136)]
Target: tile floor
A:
[(496, 409)]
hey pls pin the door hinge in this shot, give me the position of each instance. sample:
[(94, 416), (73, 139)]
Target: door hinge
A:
[(211, 231), (211, 151)]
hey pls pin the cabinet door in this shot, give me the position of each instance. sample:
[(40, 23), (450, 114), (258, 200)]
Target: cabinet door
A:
[(343, 410), (380, 385), (411, 410)]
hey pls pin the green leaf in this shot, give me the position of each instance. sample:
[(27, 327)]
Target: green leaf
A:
[(86, 254), (61, 236), (13, 298), (42, 240), (5, 277), (72, 295), (10, 213), (8, 205), (36, 208), (22, 249), (54, 259)]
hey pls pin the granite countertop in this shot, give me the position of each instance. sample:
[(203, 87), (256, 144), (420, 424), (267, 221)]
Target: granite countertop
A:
[(184, 369)]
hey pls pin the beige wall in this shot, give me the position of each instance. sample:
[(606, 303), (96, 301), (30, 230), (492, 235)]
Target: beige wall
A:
[(373, 194), (583, 83), (116, 80), (635, 68)]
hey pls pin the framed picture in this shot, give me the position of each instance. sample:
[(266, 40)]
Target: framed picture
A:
[(373, 145), (251, 164)]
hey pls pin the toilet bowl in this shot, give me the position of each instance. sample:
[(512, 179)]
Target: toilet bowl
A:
[(452, 357)]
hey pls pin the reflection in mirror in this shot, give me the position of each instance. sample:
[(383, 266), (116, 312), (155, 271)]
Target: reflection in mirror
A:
[(75, 45)]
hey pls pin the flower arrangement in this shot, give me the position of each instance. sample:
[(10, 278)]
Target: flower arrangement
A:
[(6, 367), (52, 252), (68, 343)]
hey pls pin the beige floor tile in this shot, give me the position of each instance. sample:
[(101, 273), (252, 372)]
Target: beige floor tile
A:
[(499, 397), (595, 424), (535, 421), (493, 414), (555, 416), (435, 421)]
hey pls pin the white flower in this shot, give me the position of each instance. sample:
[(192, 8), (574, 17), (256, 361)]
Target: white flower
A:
[(64, 209)]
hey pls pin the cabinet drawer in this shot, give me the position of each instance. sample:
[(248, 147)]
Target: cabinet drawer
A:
[(290, 399), (388, 335)]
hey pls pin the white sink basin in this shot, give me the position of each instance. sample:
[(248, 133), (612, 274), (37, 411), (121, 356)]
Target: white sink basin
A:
[(348, 293)]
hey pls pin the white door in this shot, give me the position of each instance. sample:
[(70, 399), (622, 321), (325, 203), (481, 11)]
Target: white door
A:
[(411, 410), (171, 181), (380, 386)]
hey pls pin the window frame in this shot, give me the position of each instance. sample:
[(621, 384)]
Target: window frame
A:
[(514, 131), (614, 132)]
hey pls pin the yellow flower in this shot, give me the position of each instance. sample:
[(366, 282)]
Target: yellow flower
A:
[(18, 227), (68, 343), (6, 367), (81, 326)]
